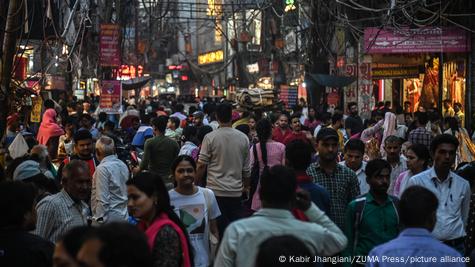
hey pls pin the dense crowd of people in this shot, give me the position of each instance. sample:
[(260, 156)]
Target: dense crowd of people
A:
[(216, 184)]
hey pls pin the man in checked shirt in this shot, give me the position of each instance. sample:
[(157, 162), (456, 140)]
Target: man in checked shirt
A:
[(421, 135), (60, 212), (340, 181)]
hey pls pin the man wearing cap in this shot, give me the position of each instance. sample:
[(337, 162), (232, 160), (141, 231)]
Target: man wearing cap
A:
[(340, 181), (198, 117), (12, 129)]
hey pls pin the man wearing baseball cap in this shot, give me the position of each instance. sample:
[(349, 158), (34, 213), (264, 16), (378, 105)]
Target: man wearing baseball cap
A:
[(340, 181)]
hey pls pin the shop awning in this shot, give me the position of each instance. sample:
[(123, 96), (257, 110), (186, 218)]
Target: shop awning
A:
[(135, 83), (332, 80)]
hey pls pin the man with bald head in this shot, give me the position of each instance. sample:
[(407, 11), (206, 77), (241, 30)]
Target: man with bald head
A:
[(67, 209), (109, 193)]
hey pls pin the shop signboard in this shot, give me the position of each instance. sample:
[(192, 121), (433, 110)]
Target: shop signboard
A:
[(360, 92), (35, 115), (397, 72), (109, 45), (211, 57), (421, 40), (111, 95), (288, 95)]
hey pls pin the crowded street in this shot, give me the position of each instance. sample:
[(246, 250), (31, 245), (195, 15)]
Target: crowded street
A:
[(183, 133)]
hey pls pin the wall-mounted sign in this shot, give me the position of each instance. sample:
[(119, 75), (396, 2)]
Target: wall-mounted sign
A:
[(127, 72), (111, 95), (396, 72), (420, 40), (211, 57), (109, 45)]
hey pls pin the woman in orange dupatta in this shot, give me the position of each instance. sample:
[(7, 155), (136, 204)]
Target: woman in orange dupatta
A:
[(167, 237)]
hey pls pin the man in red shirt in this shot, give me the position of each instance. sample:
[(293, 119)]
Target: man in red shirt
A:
[(83, 150), (297, 133), (281, 132)]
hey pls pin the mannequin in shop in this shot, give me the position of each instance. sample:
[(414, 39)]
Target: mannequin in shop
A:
[(430, 84), (413, 94)]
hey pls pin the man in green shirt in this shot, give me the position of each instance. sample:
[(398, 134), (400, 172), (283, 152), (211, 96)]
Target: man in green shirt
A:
[(372, 219), (160, 151)]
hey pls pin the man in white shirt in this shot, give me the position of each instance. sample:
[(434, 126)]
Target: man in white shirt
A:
[(353, 155), (109, 192), (242, 238), (452, 191)]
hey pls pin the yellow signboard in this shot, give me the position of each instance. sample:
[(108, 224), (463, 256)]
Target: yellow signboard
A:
[(35, 115), (211, 57)]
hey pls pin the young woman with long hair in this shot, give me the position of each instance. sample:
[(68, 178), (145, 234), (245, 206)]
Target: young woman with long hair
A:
[(269, 153), (167, 236), (197, 208)]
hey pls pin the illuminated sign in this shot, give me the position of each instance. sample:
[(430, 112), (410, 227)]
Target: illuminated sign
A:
[(215, 8), (211, 57), (127, 72), (289, 5)]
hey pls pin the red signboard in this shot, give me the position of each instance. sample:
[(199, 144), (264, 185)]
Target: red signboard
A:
[(109, 45), (111, 94), (422, 40)]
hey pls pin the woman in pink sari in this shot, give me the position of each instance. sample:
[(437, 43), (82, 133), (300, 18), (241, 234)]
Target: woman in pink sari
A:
[(49, 132), (167, 236)]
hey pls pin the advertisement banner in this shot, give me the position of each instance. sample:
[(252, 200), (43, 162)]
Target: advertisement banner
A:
[(421, 40), (111, 96), (109, 45), (288, 95), (35, 115)]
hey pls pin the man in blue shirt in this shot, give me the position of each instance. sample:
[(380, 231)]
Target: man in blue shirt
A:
[(415, 244)]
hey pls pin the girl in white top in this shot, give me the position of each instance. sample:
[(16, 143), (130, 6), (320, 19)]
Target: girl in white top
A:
[(196, 207), (417, 161)]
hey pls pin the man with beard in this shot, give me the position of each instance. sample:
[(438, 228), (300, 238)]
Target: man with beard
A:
[(18, 247), (67, 209), (340, 182), (297, 133), (353, 123), (452, 191), (281, 132), (393, 147), (372, 219)]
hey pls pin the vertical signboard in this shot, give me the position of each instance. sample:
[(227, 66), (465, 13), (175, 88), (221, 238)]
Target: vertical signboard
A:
[(361, 92), (288, 95), (35, 115), (111, 95), (109, 45)]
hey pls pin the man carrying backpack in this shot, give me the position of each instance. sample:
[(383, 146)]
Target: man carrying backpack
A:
[(372, 218)]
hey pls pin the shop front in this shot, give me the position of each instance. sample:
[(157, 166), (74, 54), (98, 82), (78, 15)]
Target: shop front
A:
[(418, 69)]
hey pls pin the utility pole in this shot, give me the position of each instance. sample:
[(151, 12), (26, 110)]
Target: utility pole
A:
[(12, 28)]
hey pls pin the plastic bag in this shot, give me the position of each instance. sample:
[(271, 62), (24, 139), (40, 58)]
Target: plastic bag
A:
[(19, 147)]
